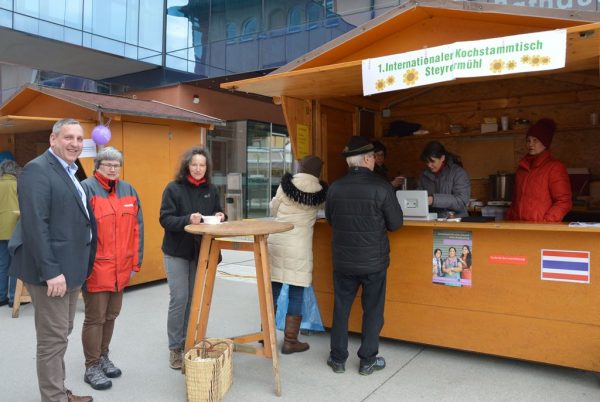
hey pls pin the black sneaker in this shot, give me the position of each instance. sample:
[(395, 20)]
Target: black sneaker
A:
[(108, 367), (376, 365), (96, 377), (337, 367)]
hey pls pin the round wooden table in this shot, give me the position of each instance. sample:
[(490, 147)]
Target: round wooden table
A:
[(205, 279)]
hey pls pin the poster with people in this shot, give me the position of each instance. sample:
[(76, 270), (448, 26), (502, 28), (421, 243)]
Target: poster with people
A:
[(452, 258)]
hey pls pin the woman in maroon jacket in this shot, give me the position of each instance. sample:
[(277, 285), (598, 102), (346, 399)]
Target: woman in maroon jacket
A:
[(116, 207), (542, 189)]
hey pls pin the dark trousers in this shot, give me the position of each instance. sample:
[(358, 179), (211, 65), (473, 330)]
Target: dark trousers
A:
[(373, 302), (101, 311)]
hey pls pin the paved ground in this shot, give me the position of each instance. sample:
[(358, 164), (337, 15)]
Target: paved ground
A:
[(414, 373)]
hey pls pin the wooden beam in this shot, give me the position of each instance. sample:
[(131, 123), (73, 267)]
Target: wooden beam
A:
[(297, 111), (499, 103), (338, 104), (370, 103), (577, 78)]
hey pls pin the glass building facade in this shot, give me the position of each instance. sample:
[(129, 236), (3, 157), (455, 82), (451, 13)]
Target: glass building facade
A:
[(208, 38), (128, 28)]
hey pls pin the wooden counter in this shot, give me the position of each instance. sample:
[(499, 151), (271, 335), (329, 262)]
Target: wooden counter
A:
[(508, 311)]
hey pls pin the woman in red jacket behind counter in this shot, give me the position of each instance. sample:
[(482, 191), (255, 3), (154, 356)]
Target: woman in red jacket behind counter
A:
[(542, 187)]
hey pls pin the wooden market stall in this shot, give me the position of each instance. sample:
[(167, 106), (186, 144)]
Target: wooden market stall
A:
[(152, 136), (509, 310)]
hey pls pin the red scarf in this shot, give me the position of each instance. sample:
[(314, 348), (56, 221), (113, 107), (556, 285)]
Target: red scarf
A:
[(106, 183), (194, 181)]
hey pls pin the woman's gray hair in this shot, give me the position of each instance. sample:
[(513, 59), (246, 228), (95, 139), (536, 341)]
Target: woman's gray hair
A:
[(357, 160), (9, 166), (108, 154)]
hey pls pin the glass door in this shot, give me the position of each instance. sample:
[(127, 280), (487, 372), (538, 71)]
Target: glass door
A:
[(260, 151), (269, 158)]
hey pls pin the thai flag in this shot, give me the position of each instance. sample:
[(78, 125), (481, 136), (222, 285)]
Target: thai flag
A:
[(566, 266)]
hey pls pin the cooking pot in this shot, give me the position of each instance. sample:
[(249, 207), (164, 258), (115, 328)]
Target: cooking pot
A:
[(501, 186)]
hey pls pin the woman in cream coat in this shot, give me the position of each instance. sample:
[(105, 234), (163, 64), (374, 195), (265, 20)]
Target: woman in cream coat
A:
[(290, 253)]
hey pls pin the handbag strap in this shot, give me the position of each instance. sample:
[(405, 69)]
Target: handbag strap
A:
[(211, 346)]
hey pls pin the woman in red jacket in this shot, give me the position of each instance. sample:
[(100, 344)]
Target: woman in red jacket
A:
[(116, 207), (542, 188)]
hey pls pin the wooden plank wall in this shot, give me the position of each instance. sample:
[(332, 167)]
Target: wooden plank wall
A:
[(509, 311), (337, 124), (568, 99), (7, 143)]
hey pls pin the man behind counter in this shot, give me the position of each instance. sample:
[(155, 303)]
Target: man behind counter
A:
[(380, 153), (542, 187)]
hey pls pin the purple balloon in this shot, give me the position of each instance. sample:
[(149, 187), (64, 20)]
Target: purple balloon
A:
[(101, 134)]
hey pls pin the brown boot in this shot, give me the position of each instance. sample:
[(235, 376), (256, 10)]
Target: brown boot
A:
[(77, 398), (290, 339)]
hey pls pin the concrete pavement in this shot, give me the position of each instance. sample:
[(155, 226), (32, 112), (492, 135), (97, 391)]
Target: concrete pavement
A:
[(414, 372)]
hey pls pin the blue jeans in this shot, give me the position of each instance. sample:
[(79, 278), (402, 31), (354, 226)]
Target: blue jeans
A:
[(7, 285), (295, 297), (181, 275)]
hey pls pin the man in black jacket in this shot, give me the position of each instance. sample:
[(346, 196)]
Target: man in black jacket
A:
[(361, 207)]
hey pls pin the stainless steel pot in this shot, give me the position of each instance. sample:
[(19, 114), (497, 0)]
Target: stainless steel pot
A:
[(501, 186)]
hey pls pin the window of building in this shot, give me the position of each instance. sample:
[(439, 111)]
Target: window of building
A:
[(313, 15), (295, 19), (249, 29), (276, 19), (179, 28), (28, 7), (231, 32), (332, 19), (6, 4), (150, 25), (330, 7), (5, 18), (131, 28), (109, 20)]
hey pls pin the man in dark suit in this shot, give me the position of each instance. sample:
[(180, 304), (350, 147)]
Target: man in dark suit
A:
[(53, 248)]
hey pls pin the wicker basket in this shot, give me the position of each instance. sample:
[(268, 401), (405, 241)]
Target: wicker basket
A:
[(209, 370)]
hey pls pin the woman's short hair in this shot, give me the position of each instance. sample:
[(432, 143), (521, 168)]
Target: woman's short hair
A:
[(186, 159), (108, 154), (435, 149), (356, 160), (10, 167)]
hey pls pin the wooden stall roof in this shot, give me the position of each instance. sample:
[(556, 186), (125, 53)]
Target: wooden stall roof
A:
[(111, 104), (335, 70)]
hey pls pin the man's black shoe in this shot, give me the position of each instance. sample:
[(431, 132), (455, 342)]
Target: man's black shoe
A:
[(366, 369), (336, 366)]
